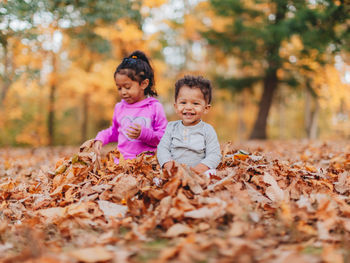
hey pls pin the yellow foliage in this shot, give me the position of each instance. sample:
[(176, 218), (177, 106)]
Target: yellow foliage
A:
[(296, 42), (153, 42), (206, 16), (34, 134), (192, 27), (163, 84), (75, 79), (89, 75), (124, 31), (334, 91), (153, 3), (293, 46), (280, 73), (219, 23), (15, 114)]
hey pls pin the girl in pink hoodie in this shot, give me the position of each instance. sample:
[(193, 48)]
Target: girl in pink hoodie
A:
[(139, 120)]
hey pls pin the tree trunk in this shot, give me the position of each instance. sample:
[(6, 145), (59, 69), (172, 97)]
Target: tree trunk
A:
[(307, 112), (241, 126), (84, 124), (270, 86), (314, 126), (270, 80), (6, 79), (311, 115), (282, 115), (51, 113), (86, 99)]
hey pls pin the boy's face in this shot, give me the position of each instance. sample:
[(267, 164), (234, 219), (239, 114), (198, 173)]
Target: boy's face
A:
[(190, 105)]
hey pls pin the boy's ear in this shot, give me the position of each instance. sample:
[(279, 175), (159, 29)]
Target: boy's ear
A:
[(207, 108), (175, 106), (144, 84)]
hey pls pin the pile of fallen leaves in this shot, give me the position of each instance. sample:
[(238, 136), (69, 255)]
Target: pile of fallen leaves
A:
[(271, 202)]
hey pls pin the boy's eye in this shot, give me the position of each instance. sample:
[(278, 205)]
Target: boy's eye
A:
[(182, 102), (196, 103)]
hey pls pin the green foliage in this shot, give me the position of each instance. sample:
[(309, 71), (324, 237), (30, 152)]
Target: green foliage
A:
[(94, 42), (83, 16), (257, 36), (13, 11), (16, 19), (258, 32), (236, 84)]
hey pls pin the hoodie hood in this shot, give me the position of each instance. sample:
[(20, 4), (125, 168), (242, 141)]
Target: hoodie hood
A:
[(140, 104)]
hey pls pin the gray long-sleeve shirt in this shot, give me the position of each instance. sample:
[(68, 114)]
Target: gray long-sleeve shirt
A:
[(190, 145)]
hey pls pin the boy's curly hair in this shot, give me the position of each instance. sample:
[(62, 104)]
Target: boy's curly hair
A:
[(195, 82)]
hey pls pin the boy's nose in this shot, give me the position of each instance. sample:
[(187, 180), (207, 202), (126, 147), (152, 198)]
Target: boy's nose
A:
[(187, 106)]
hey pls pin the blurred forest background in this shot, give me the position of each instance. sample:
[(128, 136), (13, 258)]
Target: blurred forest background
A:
[(280, 68)]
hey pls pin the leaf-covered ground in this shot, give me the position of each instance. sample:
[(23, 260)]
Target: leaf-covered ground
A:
[(269, 202)]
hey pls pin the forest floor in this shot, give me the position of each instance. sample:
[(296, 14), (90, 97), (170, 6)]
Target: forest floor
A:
[(270, 201)]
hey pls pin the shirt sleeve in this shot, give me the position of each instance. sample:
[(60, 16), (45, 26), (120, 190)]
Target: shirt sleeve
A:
[(212, 150), (163, 149), (151, 136), (110, 134)]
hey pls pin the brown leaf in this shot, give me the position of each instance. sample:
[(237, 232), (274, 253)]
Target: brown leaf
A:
[(125, 187), (255, 195), (177, 230), (91, 254), (110, 209), (274, 192)]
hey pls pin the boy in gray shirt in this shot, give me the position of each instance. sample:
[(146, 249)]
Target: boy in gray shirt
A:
[(190, 140)]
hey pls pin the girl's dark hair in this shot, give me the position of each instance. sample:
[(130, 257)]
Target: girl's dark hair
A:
[(195, 82), (138, 68)]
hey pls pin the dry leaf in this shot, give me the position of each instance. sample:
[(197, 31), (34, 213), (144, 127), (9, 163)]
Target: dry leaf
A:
[(92, 254), (110, 209), (177, 230), (273, 205), (274, 192)]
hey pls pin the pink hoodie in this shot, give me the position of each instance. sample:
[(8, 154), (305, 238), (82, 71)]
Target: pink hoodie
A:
[(149, 113)]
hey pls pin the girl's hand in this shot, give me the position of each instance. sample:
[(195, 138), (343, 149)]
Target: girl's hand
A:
[(200, 168), (97, 146), (134, 131)]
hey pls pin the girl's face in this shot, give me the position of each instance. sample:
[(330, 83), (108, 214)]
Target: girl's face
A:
[(190, 105), (130, 90)]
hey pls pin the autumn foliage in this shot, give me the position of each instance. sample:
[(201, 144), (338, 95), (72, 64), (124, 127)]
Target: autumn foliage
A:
[(57, 60), (286, 202)]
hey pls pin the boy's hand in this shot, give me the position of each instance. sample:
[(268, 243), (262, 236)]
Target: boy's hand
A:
[(200, 168), (168, 166), (134, 131)]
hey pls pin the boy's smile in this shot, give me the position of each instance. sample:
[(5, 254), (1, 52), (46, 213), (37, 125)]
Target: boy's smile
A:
[(190, 105)]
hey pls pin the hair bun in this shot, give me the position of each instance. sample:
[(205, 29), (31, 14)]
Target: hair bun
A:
[(139, 55)]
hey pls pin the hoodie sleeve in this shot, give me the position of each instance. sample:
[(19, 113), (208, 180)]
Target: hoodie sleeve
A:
[(152, 136), (110, 134), (212, 152)]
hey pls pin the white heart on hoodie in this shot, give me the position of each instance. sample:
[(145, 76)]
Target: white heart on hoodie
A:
[(128, 121)]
